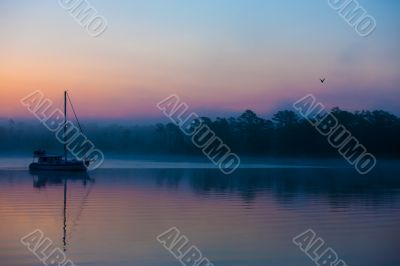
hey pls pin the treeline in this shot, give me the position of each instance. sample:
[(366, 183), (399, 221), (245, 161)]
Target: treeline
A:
[(285, 134)]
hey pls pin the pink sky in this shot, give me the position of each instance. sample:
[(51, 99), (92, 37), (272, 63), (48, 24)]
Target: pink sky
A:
[(250, 59)]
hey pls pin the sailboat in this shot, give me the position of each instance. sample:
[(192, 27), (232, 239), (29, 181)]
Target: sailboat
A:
[(45, 162)]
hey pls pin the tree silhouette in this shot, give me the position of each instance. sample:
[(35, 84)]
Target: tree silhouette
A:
[(248, 134)]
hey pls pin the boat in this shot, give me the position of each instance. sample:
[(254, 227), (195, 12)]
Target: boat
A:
[(44, 162)]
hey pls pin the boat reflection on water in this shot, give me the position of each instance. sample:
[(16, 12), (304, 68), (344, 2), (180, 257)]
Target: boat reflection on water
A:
[(43, 178)]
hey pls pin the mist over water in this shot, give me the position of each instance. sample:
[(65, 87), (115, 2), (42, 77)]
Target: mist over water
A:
[(286, 134)]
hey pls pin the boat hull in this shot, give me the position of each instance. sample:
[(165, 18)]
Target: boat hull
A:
[(69, 166)]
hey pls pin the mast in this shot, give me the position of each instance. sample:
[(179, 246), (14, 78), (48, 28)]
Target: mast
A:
[(65, 125)]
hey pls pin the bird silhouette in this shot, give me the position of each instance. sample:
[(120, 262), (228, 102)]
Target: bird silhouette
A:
[(322, 80)]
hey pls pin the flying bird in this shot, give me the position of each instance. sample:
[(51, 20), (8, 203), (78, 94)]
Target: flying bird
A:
[(322, 80)]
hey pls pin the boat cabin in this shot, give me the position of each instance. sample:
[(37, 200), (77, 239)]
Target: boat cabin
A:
[(47, 159), (50, 159), (56, 163)]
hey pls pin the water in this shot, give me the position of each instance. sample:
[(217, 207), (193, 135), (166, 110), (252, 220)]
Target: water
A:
[(113, 215)]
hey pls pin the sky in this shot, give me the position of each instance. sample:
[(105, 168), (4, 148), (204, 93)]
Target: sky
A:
[(220, 56)]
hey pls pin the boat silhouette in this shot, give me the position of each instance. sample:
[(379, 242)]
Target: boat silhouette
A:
[(45, 162)]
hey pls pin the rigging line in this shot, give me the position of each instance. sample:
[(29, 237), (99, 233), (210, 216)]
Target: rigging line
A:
[(73, 110)]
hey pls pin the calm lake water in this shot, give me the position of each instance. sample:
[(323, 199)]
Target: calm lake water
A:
[(113, 215)]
